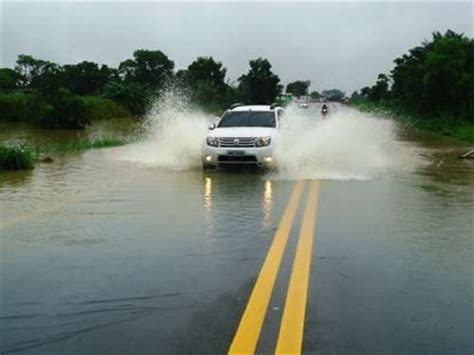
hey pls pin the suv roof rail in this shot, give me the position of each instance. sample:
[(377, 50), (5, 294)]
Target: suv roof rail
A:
[(237, 104)]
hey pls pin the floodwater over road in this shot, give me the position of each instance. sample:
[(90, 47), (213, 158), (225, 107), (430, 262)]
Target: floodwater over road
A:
[(136, 250)]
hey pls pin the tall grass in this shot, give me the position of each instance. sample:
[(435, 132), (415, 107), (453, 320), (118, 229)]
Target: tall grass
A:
[(16, 157)]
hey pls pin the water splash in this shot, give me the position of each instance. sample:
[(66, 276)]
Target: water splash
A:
[(174, 134), (349, 145)]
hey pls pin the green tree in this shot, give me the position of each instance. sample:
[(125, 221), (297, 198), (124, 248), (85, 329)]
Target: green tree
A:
[(49, 80), (356, 96), (9, 79), (30, 70), (86, 78), (37, 74), (148, 68), (407, 76), (447, 68), (365, 92), (315, 95), (467, 81), (27, 68), (380, 91), (127, 70), (134, 97), (205, 79), (437, 76), (298, 88), (260, 85), (333, 94)]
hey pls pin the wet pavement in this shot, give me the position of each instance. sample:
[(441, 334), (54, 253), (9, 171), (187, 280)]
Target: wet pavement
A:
[(102, 256)]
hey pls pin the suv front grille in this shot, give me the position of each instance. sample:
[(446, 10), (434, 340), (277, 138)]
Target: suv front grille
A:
[(233, 142)]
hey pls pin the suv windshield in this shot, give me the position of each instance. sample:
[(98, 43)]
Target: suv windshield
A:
[(248, 119)]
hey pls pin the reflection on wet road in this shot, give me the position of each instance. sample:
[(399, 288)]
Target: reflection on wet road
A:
[(102, 256)]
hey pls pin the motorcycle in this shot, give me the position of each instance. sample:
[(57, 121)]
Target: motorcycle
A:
[(324, 112)]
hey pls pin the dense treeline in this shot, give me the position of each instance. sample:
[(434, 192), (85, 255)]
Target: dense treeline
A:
[(298, 88), (434, 81), (69, 96)]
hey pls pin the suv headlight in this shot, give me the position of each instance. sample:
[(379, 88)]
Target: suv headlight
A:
[(212, 141), (263, 141)]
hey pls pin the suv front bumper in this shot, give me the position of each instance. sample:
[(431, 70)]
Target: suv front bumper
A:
[(221, 157)]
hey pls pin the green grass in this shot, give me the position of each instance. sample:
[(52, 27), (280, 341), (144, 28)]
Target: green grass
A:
[(442, 124), (16, 157)]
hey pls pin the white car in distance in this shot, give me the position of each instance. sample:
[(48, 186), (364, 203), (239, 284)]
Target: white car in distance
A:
[(244, 136)]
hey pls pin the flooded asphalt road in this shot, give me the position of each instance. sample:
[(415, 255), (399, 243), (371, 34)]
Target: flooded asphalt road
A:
[(104, 256)]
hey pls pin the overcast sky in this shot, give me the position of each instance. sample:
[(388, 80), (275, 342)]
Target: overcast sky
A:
[(335, 45)]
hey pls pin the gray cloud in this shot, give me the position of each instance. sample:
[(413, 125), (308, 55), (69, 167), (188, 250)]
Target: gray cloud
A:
[(343, 45)]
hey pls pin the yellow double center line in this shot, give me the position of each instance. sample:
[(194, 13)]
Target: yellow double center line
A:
[(290, 338), (292, 326)]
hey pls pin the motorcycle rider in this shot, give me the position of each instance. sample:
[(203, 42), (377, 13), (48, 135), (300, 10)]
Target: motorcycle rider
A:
[(324, 110)]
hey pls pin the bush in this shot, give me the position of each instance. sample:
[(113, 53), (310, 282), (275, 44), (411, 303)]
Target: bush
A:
[(16, 157), (12, 107), (134, 97), (23, 107), (69, 111), (100, 108), (59, 110)]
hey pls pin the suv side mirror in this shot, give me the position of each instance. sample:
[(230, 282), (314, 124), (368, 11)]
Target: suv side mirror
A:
[(212, 126)]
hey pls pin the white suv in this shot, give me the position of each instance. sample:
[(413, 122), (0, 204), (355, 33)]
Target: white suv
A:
[(245, 135)]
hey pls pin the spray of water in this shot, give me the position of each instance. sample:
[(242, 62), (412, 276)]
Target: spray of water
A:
[(174, 134), (348, 145)]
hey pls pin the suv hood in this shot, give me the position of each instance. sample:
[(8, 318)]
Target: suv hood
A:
[(243, 132)]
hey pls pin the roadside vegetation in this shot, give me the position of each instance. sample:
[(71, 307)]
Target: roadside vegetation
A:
[(50, 95), (24, 156), (448, 126), (431, 87), (16, 157), (300, 88), (72, 96)]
